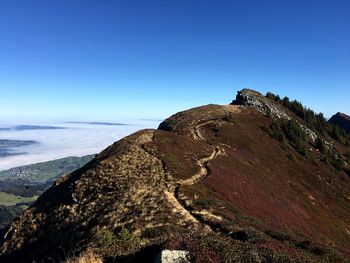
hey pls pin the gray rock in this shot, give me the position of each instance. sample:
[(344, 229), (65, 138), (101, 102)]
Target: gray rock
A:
[(174, 256), (247, 97), (265, 106)]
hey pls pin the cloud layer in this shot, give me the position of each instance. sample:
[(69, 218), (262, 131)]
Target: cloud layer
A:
[(77, 139)]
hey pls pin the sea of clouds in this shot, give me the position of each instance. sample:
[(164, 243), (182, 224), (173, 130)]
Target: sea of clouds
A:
[(76, 139)]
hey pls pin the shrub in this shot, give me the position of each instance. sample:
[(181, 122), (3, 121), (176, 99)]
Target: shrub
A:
[(347, 155), (229, 118), (106, 242), (279, 235), (288, 132), (339, 163), (304, 245), (271, 96), (106, 237), (207, 202), (157, 231), (320, 144), (347, 171)]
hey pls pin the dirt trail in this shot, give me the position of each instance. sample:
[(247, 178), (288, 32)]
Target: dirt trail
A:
[(197, 135), (171, 187), (203, 170), (204, 162), (178, 208), (169, 194), (172, 195)]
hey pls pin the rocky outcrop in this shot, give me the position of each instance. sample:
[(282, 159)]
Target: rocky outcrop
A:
[(342, 120), (247, 97), (265, 106)]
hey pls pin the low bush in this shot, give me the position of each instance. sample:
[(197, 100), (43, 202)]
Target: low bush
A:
[(106, 242), (207, 202), (279, 234), (229, 118), (288, 132), (158, 231)]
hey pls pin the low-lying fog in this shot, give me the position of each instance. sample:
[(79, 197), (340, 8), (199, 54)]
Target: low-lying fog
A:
[(63, 139)]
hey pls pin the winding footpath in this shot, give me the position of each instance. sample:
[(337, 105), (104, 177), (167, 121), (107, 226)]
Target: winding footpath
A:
[(168, 190), (203, 163), (203, 168), (171, 191), (203, 173)]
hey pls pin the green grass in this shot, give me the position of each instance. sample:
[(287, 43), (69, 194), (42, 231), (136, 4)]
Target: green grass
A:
[(10, 199), (50, 170)]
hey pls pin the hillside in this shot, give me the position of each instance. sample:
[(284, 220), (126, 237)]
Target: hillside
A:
[(341, 120), (254, 181)]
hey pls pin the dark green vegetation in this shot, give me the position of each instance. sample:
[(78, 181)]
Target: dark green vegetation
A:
[(20, 186), (316, 122), (290, 132), (24, 188), (225, 183), (8, 213)]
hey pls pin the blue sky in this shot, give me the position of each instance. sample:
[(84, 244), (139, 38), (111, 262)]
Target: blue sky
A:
[(106, 60)]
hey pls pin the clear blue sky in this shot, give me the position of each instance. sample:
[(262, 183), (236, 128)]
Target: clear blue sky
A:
[(108, 59)]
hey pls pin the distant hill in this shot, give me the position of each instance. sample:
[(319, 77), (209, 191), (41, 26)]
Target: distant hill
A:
[(30, 127), (263, 179), (341, 120), (21, 186), (45, 171), (7, 146)]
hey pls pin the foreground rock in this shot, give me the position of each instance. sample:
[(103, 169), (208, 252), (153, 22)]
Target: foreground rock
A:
[(174, 256)]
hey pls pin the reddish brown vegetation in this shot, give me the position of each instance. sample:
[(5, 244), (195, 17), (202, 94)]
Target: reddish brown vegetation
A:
[(271, 182), (179, 153)]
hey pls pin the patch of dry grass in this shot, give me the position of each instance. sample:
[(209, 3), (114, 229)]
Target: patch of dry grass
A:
[(87, 257)]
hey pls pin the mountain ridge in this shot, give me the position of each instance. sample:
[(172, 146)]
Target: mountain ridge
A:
[(213, 180), (342, 120)]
